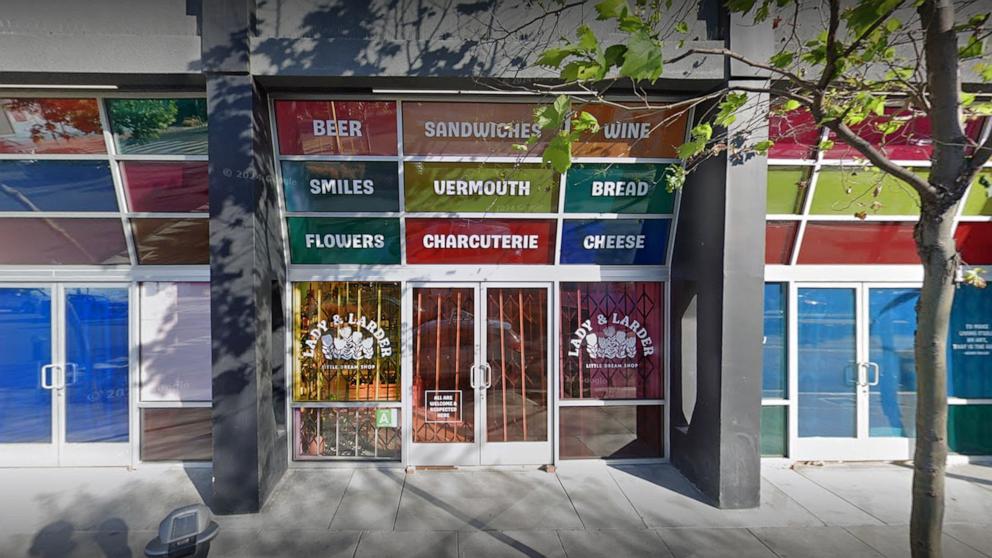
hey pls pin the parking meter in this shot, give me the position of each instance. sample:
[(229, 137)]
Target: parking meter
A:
[(186, 531)]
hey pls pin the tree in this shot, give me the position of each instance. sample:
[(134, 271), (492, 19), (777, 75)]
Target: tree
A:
[(868, 70)]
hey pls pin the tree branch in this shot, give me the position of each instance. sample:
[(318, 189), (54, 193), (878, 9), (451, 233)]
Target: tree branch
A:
[(753, 63)]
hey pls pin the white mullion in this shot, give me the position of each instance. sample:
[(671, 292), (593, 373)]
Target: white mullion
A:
[(95, 157), (808, 201), (119, 190), (792, 358), (610, 402), (158, 157)]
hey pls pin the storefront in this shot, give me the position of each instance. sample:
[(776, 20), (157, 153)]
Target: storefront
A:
[(455, 301)]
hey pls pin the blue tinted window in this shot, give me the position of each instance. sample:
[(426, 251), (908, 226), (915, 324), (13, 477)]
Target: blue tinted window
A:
[(969, 347), (892, 401), (56, 186), (774, 375), (827, 362), (25, 346)]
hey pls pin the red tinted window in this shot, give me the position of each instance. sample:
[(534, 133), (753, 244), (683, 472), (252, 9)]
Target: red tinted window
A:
[(779, 237), (795, 135), (912, 142), (50, 126), (62, 241), (336, 127), (171, 186), (468, 241), (975, 242), (858, 243)]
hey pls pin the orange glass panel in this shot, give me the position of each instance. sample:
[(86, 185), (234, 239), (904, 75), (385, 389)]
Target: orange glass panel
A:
[(50, 126), (443, 355), (628, 133), (517, 351)]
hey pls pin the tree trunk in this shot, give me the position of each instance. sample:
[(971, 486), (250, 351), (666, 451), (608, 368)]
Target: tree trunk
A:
[(936, 247)]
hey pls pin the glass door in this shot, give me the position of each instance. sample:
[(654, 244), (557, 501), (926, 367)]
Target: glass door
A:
[(855, 378)]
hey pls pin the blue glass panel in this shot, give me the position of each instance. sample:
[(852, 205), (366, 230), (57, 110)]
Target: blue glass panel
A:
[(827, 363), (892, 403), (56, 186), (969, 358), (614, 242), (96, 375), (774, 374), (25, 346)]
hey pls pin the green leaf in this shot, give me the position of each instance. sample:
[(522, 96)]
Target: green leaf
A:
[(790, 105), (826, 145), (762, 147), (973, 49), (782, 59), (984, 109), (974, 277), (558, 153), (985, 70), (674, 178), (631, 23), (967, 99), (587, 39), (643, 60), (553, 57), (702, 132), (610, 9), (690, 149), (614, 55), (729, 106), (584, 123), (740, 6), (681, 27)]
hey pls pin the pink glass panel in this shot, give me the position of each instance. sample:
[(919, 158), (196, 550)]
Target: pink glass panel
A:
[(795, 135), (912, 142), (779, 237), (975, 242), (43, 241), (166, 186), (858, 243), (50, 126)]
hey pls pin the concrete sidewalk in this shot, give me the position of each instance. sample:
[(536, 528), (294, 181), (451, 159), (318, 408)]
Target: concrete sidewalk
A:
[(616, 511)]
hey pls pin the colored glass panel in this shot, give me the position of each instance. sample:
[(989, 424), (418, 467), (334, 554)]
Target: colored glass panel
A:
[(346, 341), (969, 429), (336, 127), (795, 135), (846, 192), (614, 242), (476, 241), (166, 186), (62, 241), (612, 340), (858, 243), (96, 368), (775, 372), (56, 186), (975, 242), (341, 186), (827, 363), (430, 128), (911, 142), (969, 347), (443, 359), (172, 241), (159, 126), (349, 433), (779, 238), (327, 240), (786, 189), (774, 430), (632, 133), (175, 341), (516, 331), (979, 199), (617, 188), (492, 188), (33, 126), (25, 346), (891, 328), (618, 431), (177, 434)]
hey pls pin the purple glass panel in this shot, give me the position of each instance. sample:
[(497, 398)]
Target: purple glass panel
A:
[(40, 241)]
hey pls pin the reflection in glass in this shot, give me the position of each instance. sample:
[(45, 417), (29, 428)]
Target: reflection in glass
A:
[(828, 370), (517, 352), (56, 186), (616, 431), (172, 241), (443, 355), (62, 241), (25, 346), (32, 125), (159, 126), (96, 368), (175, 341), (892, 403), (176, 434), (166, 186), (774, 431), (344, 432), (774, 374), (969, 347)]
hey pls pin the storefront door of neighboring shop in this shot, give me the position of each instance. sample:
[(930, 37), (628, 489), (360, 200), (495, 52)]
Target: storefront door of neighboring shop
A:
[(481, 374), (64, 374), (856, 381)]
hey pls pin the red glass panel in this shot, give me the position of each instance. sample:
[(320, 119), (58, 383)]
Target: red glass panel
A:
[(611, 340), (911, 142), (517, 353), (490, 241), (172, 186), (50, 126), (62, 241), (611, 432), (443, 355), (975, 242), (858, 243), (795, 135), (172, 241), (336, 127), (779, 238)]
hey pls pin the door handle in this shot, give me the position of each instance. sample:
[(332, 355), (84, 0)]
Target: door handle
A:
[(472, 379), (870, 366), (489, 375), (73, 370), (47, 382)]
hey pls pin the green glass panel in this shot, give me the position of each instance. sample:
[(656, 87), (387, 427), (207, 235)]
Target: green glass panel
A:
[(847, 192), (159, 126), (979, 200), (616, 188), (341, 186), (785, 189), (326, 240), (478, 188), (969, 429), (773, 430)]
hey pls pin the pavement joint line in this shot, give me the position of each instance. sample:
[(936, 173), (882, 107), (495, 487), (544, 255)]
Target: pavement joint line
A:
[(351, 477), (399, 502), (978, 550), (571, 503), (882, 521), (609, 472), (864, 542), (798, 503), (762, 542), (358, 544)]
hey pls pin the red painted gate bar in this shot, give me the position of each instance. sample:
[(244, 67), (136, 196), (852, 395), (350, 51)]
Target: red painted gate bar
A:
[(476, 241)]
